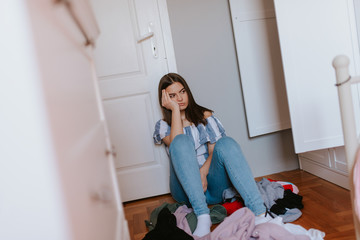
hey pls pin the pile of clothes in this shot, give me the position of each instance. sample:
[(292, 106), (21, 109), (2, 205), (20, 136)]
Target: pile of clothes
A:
[(176, 221), (280, 198)]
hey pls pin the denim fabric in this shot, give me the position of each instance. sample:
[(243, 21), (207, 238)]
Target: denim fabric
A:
[(228, 168)]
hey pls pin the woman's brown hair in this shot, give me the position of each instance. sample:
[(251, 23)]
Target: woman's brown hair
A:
[(194, 112)]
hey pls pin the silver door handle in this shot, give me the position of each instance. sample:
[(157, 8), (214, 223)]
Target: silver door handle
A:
[(153, 42), (145, 36)]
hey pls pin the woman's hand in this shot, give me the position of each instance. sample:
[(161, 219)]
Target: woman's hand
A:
[(204, 170), (167, 102), (203, 174)]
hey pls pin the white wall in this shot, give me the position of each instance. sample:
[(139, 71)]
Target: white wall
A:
[(206, 58)]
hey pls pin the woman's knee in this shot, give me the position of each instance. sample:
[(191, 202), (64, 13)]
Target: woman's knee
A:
[(181, 138), (226, 143), (181, 142), (182, 148)]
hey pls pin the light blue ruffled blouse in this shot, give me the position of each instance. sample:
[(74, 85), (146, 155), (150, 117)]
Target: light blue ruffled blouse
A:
[(200, 134)]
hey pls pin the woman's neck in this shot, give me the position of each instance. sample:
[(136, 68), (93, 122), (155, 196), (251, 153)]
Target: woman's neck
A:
[(184, 120), (182, 115)]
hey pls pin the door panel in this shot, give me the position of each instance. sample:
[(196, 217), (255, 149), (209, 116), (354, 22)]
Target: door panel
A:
[(130, 59), (259, 57), (122, 58), (130, 112), (311, 34)]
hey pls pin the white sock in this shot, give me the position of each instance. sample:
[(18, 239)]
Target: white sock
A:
[(203, 225)]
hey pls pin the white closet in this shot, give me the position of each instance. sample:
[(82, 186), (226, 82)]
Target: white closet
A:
[(311, 33), (308, 47), (57, 174)]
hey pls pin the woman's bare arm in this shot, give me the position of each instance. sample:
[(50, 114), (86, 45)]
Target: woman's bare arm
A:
[(176, 124)]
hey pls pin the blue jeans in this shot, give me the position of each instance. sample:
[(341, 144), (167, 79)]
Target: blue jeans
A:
[(228, 168)]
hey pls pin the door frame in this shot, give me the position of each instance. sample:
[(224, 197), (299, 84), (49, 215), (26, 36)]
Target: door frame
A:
[(167, 35)]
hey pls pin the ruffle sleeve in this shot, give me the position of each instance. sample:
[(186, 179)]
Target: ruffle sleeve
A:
[(212, 132), (162, 129)]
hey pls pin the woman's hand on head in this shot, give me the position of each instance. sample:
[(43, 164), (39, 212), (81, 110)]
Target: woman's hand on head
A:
[(167, 102)]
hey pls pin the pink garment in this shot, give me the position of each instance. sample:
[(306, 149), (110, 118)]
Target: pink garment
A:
[(239, 226), (181, 221), (356, 180)]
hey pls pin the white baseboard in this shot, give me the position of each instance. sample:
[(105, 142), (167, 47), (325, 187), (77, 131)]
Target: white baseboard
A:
[(331, 175)]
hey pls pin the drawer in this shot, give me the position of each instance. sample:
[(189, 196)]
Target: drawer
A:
[(319, 156), (338, 158)]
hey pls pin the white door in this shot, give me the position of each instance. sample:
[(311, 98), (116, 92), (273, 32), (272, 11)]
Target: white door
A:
[(130, 60), (311, 34)]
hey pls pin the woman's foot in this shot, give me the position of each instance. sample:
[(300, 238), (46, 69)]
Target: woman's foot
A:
[(203, 225)]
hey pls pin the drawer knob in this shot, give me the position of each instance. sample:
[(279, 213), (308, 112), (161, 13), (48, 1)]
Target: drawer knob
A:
[(103, 196)]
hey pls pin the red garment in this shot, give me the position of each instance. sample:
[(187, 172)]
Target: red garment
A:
[(232, 206), (285, 186)]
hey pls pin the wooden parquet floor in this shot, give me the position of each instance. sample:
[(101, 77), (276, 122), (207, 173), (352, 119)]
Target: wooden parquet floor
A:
[(327, 207)]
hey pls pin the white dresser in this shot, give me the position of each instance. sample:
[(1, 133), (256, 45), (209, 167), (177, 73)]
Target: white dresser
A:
[(57, 174)]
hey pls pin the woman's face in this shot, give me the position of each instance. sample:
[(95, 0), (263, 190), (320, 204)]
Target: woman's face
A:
[(178, 94)]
